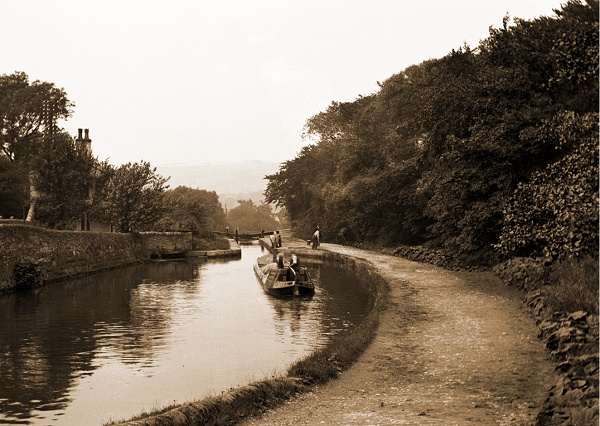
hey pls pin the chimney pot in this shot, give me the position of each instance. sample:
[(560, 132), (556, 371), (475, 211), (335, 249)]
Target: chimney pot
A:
[(87, 133), (80, 130)]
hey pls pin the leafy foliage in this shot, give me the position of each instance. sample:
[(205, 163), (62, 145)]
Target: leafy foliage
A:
[(63, 178), (133, 197), (23, 107), (437, 154), (555, 213), (195, 209), (248, 217)]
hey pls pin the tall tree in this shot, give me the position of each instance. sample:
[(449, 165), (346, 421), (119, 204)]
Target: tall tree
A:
[(435, 154), (249, 217), (28, 114), (64, 178), (195, 209), (14, 188), (26, 111), (133, 197)]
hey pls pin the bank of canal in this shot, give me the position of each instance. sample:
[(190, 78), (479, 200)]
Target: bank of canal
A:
[(115, 344), (453, 348)]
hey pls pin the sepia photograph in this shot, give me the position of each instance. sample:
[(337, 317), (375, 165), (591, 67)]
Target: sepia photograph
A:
[(334, 212)]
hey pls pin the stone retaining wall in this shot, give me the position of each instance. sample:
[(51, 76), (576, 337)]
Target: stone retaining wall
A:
[(572, 339), (58, 255), (165, 242)]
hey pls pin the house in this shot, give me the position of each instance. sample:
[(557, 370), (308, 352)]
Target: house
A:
[(86, 223)]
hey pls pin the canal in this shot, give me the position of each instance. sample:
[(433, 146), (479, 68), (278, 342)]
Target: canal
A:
[(116, 344)]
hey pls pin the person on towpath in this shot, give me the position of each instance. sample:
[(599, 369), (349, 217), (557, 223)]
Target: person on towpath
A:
[(316, 238)]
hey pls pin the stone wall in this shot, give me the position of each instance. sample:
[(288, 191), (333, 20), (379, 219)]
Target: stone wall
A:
[(60, 255), (572, 339), (167, 242)]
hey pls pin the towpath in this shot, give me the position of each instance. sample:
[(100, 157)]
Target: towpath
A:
[(453, 348)]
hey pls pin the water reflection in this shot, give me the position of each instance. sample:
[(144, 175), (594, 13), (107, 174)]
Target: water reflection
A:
[(117, 343), (48, 334)]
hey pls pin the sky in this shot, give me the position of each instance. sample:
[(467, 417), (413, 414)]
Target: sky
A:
[(187, 82)]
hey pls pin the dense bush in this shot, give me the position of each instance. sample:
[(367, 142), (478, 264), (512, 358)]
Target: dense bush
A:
[(198, 210), (555, 213), (27, 275), (494, 147)]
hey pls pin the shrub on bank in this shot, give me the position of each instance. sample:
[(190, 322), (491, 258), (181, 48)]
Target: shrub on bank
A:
[(573, 286), (27, 275), (523, 273), (569, 285)]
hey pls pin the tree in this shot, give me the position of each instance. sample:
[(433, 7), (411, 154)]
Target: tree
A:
[(133, 197), (26, 111), (249, 217), (13, 188), (63, 178), (298, 186), (195, 209)]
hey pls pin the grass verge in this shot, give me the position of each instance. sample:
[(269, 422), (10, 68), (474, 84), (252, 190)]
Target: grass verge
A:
[(320, 366), (573, 286)]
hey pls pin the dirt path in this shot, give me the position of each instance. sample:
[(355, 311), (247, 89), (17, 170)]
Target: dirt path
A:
[(452, 349)]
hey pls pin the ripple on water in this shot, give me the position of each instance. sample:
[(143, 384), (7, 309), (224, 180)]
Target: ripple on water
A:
[(117, 343)]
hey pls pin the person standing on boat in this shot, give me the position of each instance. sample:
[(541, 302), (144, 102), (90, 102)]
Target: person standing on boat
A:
[(237, 234), (295, 263), (295, 266), (279, 258), (278, 239)]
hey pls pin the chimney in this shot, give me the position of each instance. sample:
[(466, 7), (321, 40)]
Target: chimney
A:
[(86, 142)]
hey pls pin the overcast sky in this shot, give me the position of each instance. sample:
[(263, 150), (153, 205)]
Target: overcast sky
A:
[(192, 82)]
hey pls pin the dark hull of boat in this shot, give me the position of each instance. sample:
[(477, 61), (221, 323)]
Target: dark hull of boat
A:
[(273, 282), (290, 291)]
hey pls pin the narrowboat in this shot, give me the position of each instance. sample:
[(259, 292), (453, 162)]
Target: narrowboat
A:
[(279, 279)]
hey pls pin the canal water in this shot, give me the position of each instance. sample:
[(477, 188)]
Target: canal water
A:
[(113, 345)]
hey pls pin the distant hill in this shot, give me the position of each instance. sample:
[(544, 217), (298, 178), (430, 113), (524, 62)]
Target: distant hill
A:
[(231, 181)]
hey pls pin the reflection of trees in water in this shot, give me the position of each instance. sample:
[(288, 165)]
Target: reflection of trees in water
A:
[(340, 301), (50, 336), (298, 315), (295, 312), (54, 335), (349, 297), (169, 272)]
